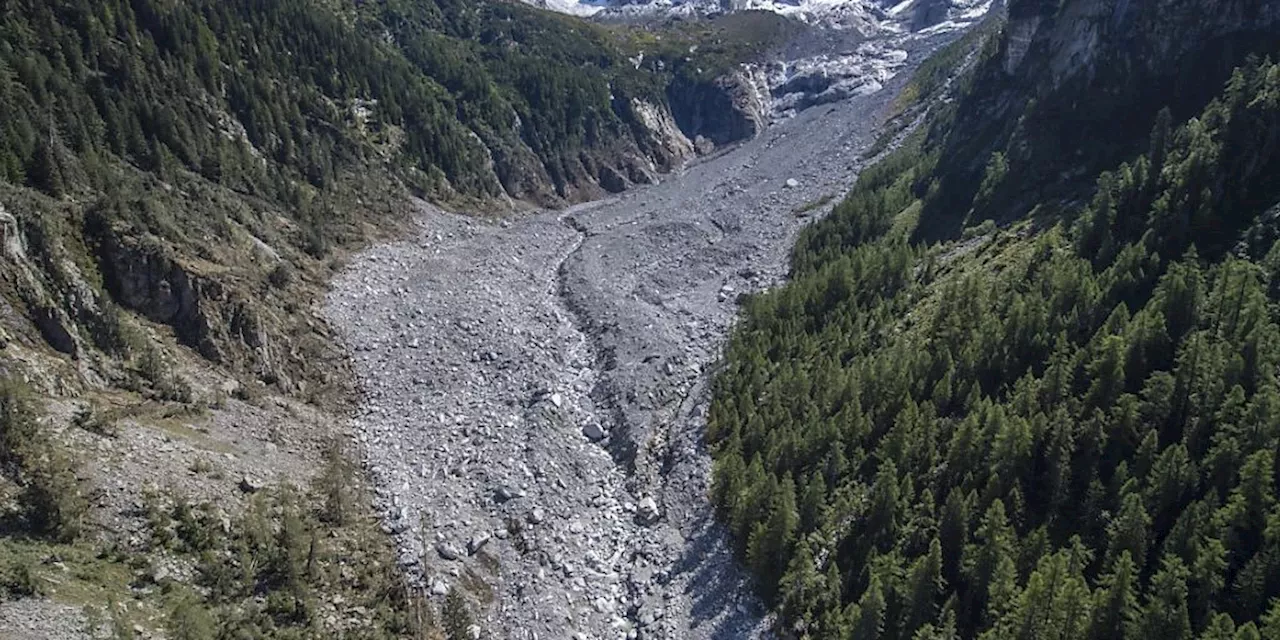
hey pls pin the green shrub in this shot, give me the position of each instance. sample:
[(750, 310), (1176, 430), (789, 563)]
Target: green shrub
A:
[(19, 430), (457, 616), (334, 485), (54, 503), (189, 619), (102, 423), (281, 276), (17, 580)]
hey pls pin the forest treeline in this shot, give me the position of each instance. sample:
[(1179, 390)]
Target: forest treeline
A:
[(1068, 428), (257, 96), (188, 135), (217, 87)]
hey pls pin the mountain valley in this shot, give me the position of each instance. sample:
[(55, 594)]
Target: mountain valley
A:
[(463, 319)]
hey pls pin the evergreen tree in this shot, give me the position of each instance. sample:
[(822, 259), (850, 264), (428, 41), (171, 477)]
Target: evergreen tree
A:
[(1165, 615), (990, 567), (44, 173), (1115, 608), (871, 612), (1103, 381), (1130, 529), (924, 586)]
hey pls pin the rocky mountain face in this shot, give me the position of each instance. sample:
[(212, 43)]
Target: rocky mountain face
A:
[(862, 15), (843, 50), (731, 108), (1096, 71)]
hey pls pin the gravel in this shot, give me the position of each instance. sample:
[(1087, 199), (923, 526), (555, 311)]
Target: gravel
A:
[(34, 619), (536, 390)]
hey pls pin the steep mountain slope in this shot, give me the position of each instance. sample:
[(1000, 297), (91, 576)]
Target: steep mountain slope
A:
[(167, 158), (178, 181), (1062, 426), (440, 74), (1093, 72)]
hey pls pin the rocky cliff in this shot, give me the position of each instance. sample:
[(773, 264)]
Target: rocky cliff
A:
[(1073, 87), (728, 109)]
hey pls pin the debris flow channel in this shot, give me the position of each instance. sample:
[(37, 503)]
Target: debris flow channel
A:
[(536, 390)]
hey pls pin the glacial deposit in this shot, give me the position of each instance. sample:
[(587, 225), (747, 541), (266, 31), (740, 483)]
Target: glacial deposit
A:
[(535, 389)]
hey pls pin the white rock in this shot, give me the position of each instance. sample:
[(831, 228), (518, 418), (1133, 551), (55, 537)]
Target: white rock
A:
[(478, 541), (448, 551), (556, 399), (648, 509), (792, 183)]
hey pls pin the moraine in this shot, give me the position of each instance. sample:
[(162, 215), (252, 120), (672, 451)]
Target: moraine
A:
[(535, 389)]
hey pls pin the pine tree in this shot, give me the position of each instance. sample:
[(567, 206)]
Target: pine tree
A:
[(1129, 531), (1221, 627), (1115, 608), (43, 173), (19, 431), (924, 585), (989, 564), (1250, 503), (953, 534), (1270, 623), (871, 612), (334, 484), (882, 513), (771, 542), (1165, 614), (54, 502), (800, 586), (1055, 604)]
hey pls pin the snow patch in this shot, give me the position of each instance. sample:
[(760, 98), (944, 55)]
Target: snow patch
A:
[(867, 16)]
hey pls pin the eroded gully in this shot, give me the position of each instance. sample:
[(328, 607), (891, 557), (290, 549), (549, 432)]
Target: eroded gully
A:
[(535, 390)]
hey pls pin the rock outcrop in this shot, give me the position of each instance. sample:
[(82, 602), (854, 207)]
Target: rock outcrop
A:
[(209, 309), (10, 237), (1095, 70), (727, 109)]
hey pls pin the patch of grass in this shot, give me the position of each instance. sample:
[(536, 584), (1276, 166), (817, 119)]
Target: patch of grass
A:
[(79, 574), (905, 222), (98, 421), (814, 205)]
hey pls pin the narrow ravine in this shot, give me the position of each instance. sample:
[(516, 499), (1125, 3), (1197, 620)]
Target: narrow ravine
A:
[(536, 390)]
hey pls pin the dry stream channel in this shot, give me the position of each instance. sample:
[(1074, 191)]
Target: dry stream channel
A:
[(536, 389)]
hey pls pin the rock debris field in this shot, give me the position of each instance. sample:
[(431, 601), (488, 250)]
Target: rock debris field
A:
[(536, 389)]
